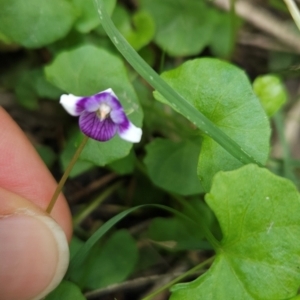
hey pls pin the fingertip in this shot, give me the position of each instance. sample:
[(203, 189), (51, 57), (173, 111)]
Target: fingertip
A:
[(34, 251), (24, 173)]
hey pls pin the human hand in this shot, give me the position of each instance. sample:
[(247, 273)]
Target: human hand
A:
[(34, 253)]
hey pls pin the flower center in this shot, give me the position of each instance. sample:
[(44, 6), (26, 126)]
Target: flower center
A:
[(103, 111)]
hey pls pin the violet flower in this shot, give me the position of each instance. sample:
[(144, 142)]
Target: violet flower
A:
[(101, 116)]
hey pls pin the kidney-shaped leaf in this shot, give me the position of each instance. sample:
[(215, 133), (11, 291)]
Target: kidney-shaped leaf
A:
[(183, 27), (173, 166), (36, 23), (66, 290), (88, 18), (259, 256), (222, 92), (85, 71), (109, 263)]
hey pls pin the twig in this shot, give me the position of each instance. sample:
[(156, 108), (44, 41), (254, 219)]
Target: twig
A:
[(263, 42), (95, 185), (136, 283), (262, 19), (294, 11), (175, 272)]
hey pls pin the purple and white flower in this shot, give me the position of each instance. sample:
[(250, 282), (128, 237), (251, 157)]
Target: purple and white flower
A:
[(101, 116)]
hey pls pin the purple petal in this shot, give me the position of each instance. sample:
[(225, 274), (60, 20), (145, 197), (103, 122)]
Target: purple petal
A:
[(91, 126), (119, 117), (93, 102)]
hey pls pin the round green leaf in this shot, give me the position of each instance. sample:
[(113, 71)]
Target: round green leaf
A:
[(173, 166), (85, 71), (139, 31), (88, 18), (144, 30), (259, 256), (47, 154), (183, 27), (31, 86), (66, 290), (222, 92), (124, 165), (109, 263), (271, 92), (35, 23)]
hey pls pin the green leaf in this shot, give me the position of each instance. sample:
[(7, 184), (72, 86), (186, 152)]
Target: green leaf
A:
[(179, 234), (85, 71), (124, 165), (32, 85), (66, 290), (259, 256), (182, 27), (144, 30), (36, 23), (173, 166), (223, 39), (88, 18), (75, 245), (140, 33), (271, 92), (112, 262), (47, 154), (103, 153), (25, 91), (222, 92)]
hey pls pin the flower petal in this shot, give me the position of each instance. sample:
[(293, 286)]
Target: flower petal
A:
[(91, 126), (69, 102), (93, 102), (130, 133), (119, 117)]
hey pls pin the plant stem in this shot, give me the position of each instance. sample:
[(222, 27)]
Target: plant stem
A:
[(294, 11), (179, 278), (197, 219), (287, 160), (66, 175)]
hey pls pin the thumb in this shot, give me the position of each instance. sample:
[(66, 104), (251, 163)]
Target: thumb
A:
[(34, 251)]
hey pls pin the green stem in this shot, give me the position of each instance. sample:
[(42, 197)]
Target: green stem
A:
[(294, 11), (94, 204), (180, 278), (66, 175), (175, 100), (287, 162), (197, 219), (233, 25)]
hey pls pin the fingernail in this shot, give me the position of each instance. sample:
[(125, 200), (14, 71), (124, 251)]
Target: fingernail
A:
[(34, 256)]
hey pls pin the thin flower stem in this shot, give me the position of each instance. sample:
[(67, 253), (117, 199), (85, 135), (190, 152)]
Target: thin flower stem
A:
[(294, 11), (180, 278), (66, 175)]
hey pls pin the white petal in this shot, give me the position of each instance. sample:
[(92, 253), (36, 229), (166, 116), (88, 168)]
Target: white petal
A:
[(133, 134), (110, 91), (69, 103)]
